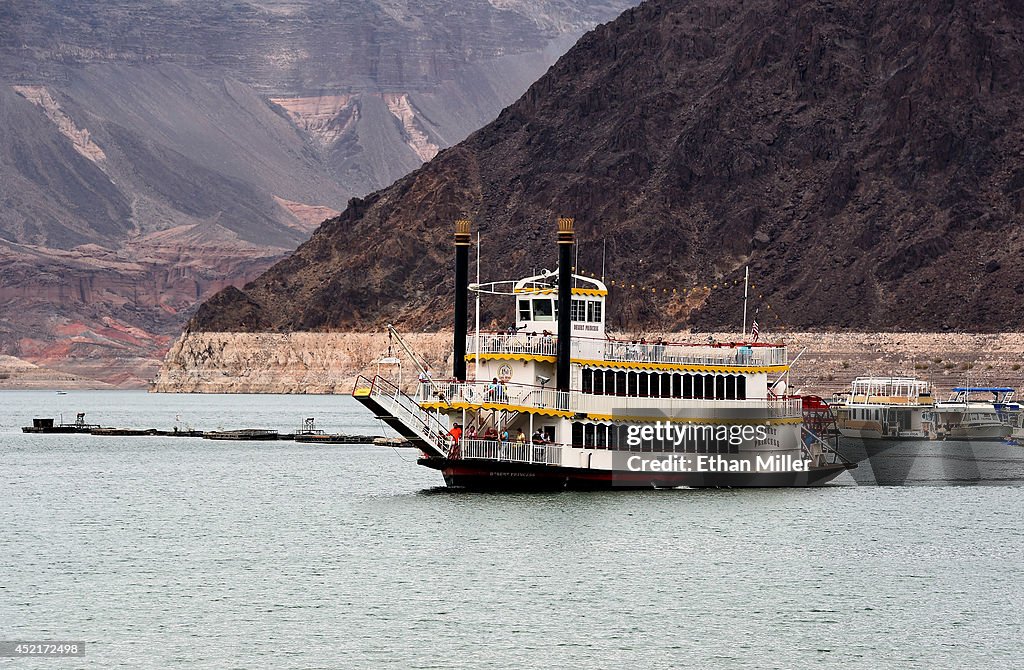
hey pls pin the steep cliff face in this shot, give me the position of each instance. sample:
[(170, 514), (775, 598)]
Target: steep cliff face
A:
[(864, 158), (160, 122)]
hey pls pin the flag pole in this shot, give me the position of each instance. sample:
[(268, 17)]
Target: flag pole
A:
[(746, 284), (476, 365)]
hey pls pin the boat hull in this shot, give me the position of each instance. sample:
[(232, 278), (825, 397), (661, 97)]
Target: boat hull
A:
[(870, 434), (990, 433), (486, 475)]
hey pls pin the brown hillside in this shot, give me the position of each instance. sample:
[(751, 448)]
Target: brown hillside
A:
[(865, 157)]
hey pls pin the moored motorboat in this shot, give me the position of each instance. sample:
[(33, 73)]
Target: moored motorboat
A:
[(963, 417)]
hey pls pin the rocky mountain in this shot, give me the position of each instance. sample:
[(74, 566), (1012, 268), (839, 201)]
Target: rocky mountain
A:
[(155, 151), (865, 159)]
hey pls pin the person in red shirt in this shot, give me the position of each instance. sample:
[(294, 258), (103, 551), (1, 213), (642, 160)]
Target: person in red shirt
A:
[(456, 434)]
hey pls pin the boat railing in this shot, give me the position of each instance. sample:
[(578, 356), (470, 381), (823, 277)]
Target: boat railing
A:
[(782, 408), (512, 452), (491, 393), (889, 387), (408, 411), (620, 351), (674, 354), (507, 343)]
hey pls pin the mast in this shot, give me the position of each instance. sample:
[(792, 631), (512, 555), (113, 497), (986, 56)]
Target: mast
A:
[(604, 257), (746, 284), (476, 368)]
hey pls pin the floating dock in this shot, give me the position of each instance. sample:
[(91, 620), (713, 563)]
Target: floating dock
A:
[(308, 434), (47, 426)]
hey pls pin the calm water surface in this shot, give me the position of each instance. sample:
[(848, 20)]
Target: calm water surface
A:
[(179, 552)]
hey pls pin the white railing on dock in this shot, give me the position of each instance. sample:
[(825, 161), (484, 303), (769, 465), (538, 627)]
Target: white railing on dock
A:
[(513, 452)]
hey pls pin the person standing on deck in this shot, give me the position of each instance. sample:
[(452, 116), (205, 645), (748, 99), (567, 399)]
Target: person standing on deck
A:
[(425, 383), (456, 434)]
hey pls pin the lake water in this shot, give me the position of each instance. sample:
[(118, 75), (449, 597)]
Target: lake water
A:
[(180, 552)]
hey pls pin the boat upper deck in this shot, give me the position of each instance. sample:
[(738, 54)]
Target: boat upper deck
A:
[(630, 353), (886, 391)]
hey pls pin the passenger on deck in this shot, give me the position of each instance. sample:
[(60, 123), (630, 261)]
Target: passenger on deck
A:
[(456, 435), (520, 436), (425, 383), (496, 391), (538, 437)]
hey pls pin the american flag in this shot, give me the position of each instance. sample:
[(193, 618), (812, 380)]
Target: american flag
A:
[(754, 331)]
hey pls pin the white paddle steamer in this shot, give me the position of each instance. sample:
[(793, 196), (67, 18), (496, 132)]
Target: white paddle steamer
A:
[(554, 403)]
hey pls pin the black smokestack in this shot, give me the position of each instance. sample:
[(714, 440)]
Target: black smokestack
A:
[(461, 297), (566, 240)]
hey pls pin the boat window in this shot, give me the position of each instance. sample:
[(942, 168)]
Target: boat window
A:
[(720, 387), (588, 380), (588, 434), (609, 383), (741, 387), (730, 387), (579, 310), (666, 385), (677, 385), (632, 384), (698, 387), (687, 386), (644, 386), (594, 311), (600, 436), (543, 309), (524, 310), (709, 387), (577, 434), (598, 382)]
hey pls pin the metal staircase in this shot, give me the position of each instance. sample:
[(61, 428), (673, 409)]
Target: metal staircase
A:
[(401, 412)]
